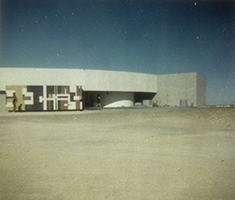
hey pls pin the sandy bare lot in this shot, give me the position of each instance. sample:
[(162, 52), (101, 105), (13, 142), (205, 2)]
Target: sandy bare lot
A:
[(118, 154)]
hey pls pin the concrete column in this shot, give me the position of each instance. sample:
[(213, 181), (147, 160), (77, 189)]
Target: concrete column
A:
[(2, 102)]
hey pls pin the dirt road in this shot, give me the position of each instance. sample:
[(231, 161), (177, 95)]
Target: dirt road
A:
[(118, 154)]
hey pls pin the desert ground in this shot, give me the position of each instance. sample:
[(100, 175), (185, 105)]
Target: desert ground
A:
[(158, 153)]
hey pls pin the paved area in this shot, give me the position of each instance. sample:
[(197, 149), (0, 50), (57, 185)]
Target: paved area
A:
[(118, 154)]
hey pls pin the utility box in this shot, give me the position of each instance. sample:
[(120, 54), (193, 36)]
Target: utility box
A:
[(184, 103)]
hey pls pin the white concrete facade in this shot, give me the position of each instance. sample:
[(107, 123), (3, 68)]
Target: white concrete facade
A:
[(117, 89), (175, 87), (90, 80), (2, 102)]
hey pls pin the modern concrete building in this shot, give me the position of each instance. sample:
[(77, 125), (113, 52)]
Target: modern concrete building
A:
[(173, 88), (116, 89)]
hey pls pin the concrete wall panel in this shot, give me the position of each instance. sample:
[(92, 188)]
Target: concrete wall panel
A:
[(2, 102), (201, 90), (92, 80), (175, 87)]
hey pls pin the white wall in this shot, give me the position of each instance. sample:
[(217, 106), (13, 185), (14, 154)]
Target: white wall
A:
[(92, 80), (2, 103), (175, 87), (201, 90), (170, 88)]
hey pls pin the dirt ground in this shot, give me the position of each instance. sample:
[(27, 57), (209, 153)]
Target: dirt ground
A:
[(134, 154)]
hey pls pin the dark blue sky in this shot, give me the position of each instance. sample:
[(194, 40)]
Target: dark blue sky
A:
[(149, 36)]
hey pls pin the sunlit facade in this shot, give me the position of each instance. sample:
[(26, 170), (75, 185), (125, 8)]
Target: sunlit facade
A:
[(116, 89)]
